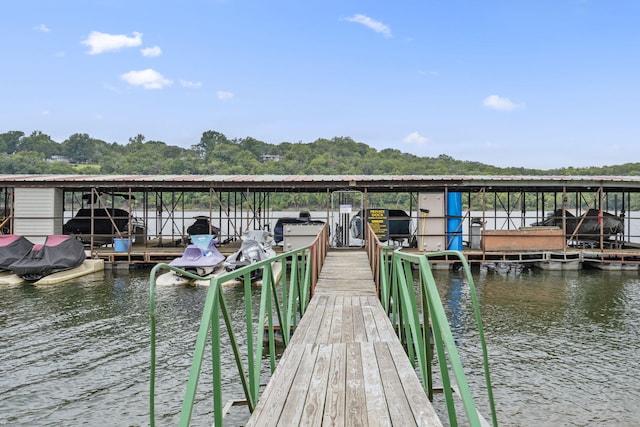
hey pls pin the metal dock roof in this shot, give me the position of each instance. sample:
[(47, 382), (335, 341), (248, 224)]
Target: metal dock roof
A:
[(317, 183)]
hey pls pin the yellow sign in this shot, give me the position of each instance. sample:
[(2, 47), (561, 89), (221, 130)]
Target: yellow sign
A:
[(379, 221)]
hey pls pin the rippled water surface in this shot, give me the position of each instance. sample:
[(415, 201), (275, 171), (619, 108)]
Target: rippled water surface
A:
[(563, 347), (78, 353)]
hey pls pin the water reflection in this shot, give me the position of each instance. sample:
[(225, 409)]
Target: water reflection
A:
[(562, 343), (454, 298), (563, 348), (79, 352)]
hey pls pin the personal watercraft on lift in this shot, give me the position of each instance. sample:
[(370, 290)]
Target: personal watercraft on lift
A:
[(256, 246), (201, 258)]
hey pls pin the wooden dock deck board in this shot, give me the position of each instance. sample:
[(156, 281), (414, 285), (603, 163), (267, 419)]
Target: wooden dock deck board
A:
[(344, 365)]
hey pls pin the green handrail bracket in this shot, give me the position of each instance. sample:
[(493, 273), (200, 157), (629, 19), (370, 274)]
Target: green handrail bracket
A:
[(298, 275), (406, 284)]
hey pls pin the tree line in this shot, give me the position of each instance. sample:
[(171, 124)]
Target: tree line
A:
[(38, 153)]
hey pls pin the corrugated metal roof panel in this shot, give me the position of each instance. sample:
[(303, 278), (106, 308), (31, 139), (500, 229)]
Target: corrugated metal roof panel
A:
[(319, 182)]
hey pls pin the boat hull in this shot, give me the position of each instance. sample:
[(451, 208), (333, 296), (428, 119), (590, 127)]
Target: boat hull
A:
[(172, 279), (87, 267)]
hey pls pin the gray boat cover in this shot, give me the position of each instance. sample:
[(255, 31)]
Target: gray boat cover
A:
[(12, 248), (58, 253)]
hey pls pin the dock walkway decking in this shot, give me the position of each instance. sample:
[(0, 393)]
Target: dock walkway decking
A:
[(344, 365)]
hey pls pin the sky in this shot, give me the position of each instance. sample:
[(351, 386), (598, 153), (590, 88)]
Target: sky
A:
[(525, 83)]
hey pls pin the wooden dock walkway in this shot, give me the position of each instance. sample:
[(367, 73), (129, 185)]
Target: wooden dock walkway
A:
[(344, 365)]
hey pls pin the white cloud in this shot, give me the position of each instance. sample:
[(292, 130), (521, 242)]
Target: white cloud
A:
[(148, 79), (416, 138), (102, 42), (187, 83), (42, 28), (376, 26), (498, 103), (224, 95), (151, 51)]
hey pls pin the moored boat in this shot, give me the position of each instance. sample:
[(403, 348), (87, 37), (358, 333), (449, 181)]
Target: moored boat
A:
[(200, 258), (57, 253), (97, 224), (256, 246), (590, 226), (12, 248), (303, 218)]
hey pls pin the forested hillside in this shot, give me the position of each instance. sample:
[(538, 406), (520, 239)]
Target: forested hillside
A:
[(216, 154)]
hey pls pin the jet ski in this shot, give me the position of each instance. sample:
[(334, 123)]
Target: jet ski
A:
[(201, 258), (256, 246), (57, 253)]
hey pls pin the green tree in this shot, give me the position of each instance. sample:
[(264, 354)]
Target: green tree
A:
[(209, 144), (79, 148), (39, 142), (9, 141)]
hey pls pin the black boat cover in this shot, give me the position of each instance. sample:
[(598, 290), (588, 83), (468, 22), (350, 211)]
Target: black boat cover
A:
[(12, 248), (58, 253), (589, 226)]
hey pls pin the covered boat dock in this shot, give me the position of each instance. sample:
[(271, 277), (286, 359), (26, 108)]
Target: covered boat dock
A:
[(489, 218)]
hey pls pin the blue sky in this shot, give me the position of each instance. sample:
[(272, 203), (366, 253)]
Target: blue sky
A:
[(539, 83)]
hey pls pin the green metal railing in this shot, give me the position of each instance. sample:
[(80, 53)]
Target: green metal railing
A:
[(396, 273), (298, 275)]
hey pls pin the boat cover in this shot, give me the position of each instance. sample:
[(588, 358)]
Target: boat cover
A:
[(58, 253), (104, 220), (12, 248), (588, 226), (201, 227)]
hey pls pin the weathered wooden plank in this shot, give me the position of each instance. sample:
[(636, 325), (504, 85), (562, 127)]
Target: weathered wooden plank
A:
[(325, 325), (270, 405), (310, 325), (313, 411), (355, 403), (370, 324), (377, 404), (320, 300), (334, 407), (347, 323), (359, 330), (337, 287), (383, 324), (297, 396), (335, 334), (421, 408), (397, 403)]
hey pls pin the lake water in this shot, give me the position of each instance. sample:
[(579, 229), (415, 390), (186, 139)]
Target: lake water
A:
[(563, 348), (563, 345)]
